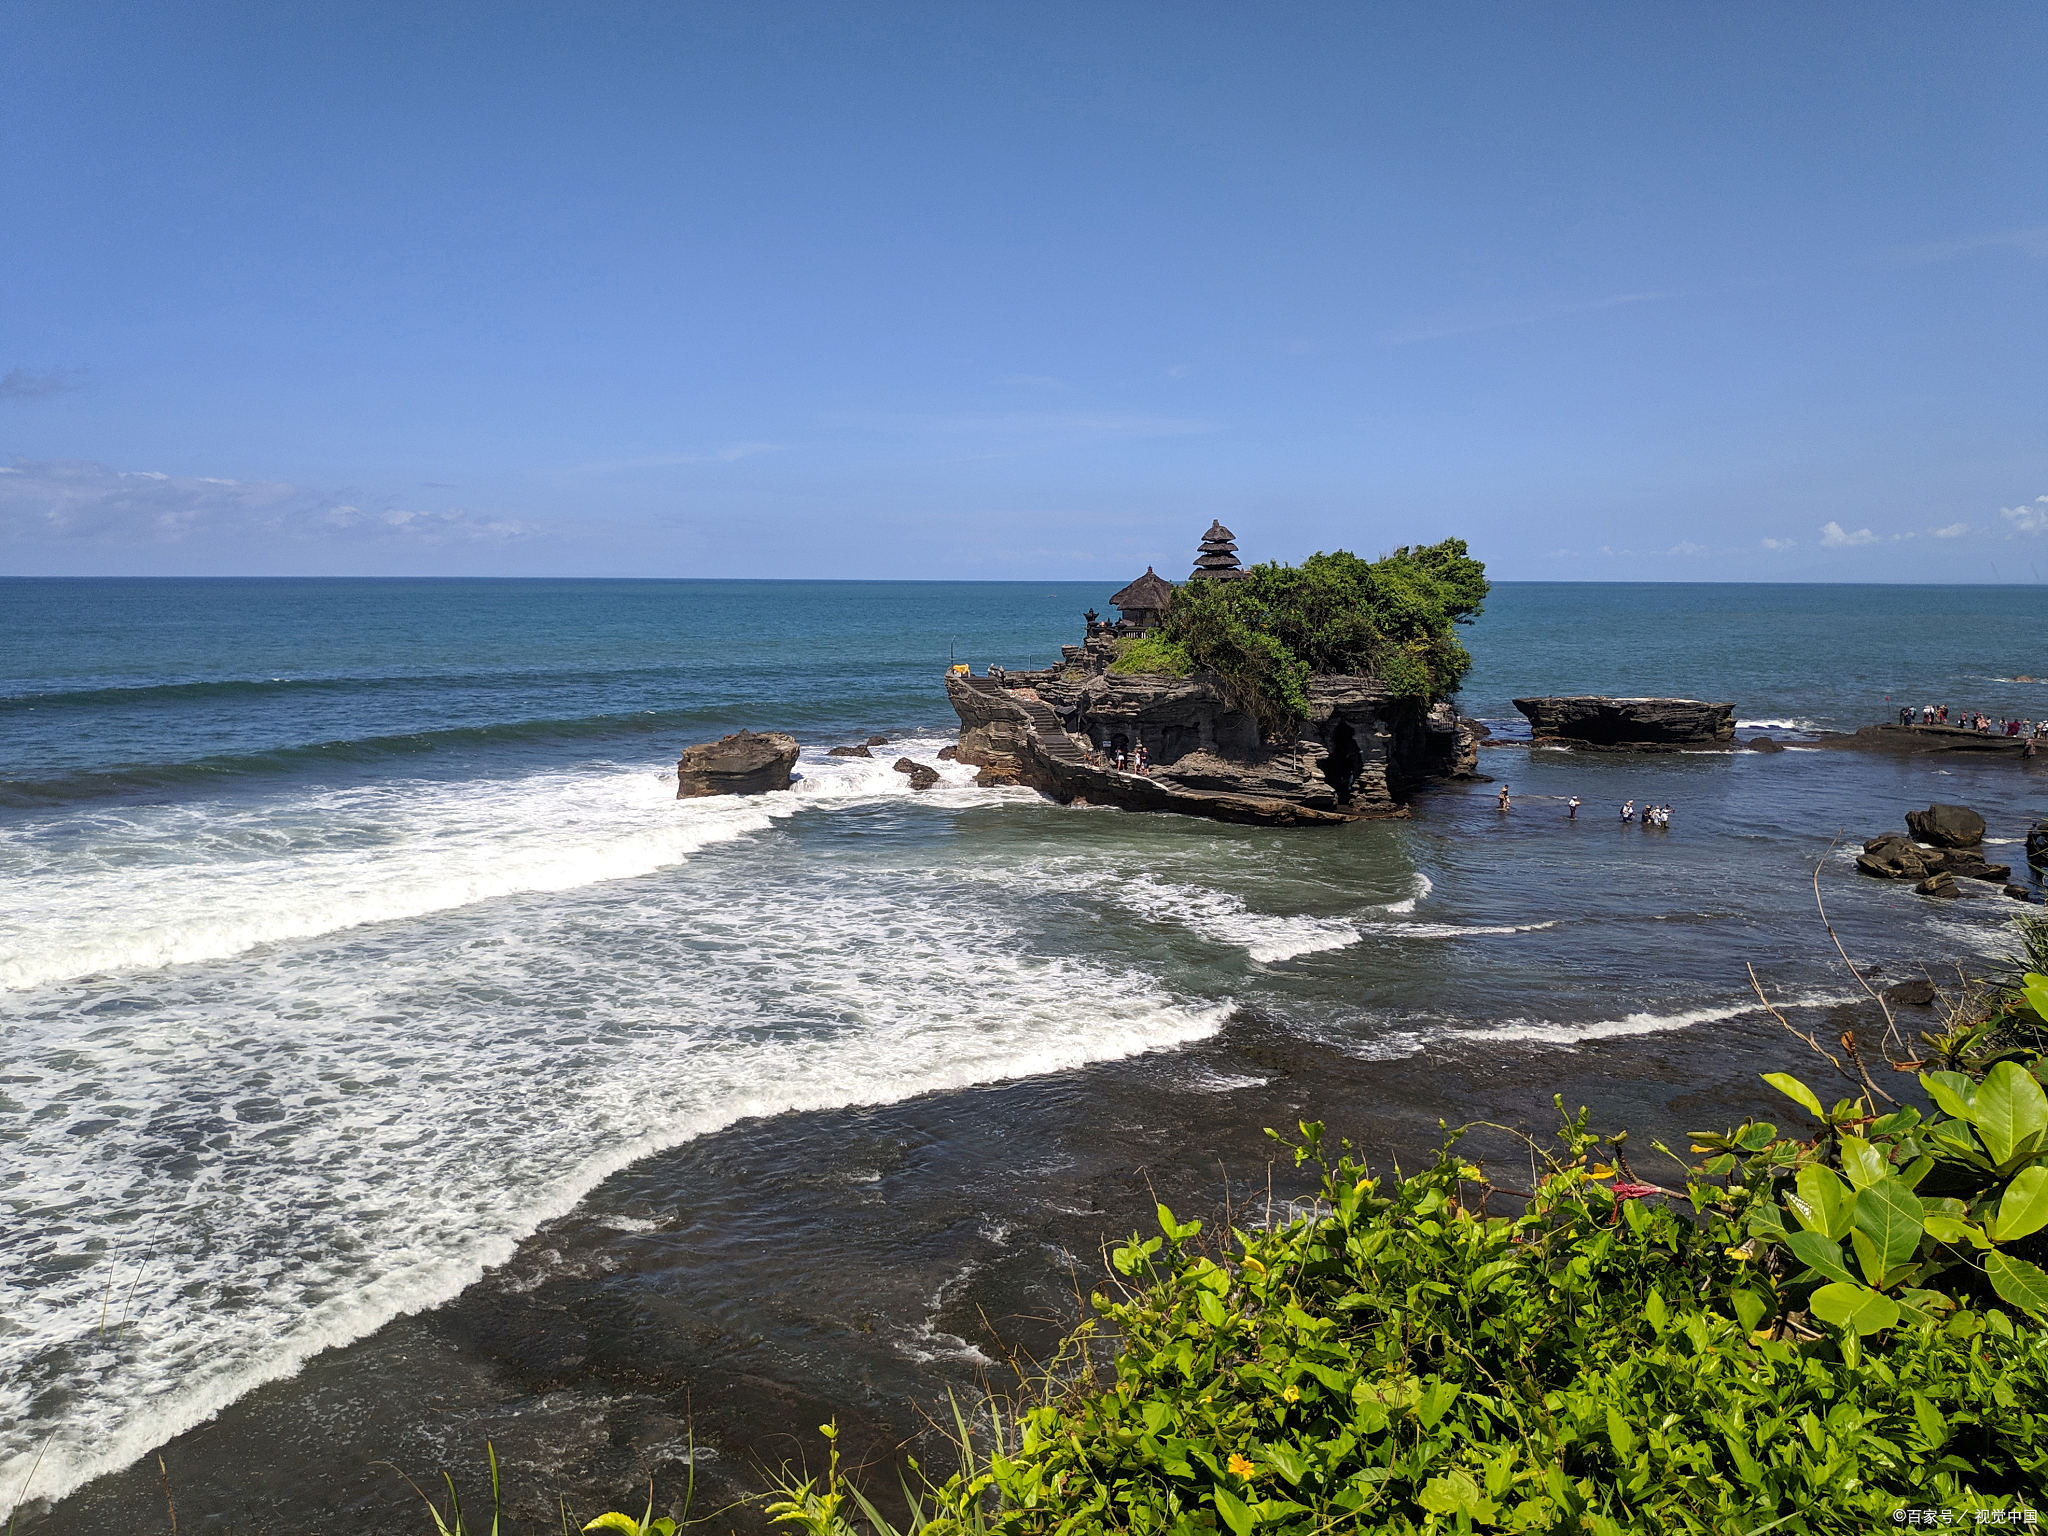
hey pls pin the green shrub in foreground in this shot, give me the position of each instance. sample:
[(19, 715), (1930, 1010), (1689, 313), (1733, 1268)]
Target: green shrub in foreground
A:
[(1799, 1341)]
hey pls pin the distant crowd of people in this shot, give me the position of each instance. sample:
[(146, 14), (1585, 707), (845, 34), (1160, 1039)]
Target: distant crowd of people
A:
[(1649, 816), (1971, 720)]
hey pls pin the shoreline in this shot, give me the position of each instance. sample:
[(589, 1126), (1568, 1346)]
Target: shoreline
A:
[(589, 1356)]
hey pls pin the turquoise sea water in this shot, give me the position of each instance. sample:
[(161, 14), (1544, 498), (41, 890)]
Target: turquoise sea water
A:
[(354, 933)]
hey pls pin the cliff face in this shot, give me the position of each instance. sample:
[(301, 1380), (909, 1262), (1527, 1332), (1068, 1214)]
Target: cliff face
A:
[(1358, 755)]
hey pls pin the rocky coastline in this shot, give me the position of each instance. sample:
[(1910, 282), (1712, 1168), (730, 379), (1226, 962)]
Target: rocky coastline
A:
[(1358, 756)]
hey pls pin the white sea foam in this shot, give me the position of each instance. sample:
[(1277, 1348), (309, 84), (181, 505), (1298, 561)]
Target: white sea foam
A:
[(1420, 886), (281, 1152), (1224, 917), (1643, 1023), (1780, 725), (1453, 930), (204, 880)]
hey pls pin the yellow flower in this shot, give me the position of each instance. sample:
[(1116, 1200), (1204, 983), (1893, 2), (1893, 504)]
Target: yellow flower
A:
[(1292, 1394), (1240, 1466)]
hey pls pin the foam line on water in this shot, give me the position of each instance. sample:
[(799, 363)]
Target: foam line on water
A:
[(1225, 918), (1643, 1023), (371, 1122), (1452, 930)]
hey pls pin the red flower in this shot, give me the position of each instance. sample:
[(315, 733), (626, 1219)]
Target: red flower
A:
[(1627, 1191)]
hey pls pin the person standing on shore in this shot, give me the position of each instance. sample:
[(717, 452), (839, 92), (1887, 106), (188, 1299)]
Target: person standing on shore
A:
[(1571, 810)]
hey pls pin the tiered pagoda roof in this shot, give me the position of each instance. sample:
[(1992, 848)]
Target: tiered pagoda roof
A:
[(1148, 591), (1218, 557)]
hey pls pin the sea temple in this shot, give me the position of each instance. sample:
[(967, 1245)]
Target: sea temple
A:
[(1061, 730)]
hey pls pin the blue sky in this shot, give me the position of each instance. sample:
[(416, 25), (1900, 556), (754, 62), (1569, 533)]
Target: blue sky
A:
[(1684, 292)]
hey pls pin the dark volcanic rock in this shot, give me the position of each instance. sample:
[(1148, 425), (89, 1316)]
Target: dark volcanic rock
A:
[(740, 764), (1919, 993), (949, 754), (849, 752), (878, 741), (1968, 864), (1942, 884), (1896, 857), (1947, 826), (2037, 845), (2019, 893), (1765, 744), (1629, 725), (1893, 857), (921, 776)]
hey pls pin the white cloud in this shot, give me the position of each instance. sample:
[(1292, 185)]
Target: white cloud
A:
[(78, 501), (731, 453), (20, 384), (1686, 547), (2028, 517), (2031, 242), (1832, 536), (1952, 531), (1779, 543)]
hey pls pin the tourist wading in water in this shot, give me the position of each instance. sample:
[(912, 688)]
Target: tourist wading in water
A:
[(1571, 810), (1628, 811), (1503, 797)]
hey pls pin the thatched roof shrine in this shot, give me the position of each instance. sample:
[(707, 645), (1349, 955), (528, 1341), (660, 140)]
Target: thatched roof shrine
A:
[(1217, 559)]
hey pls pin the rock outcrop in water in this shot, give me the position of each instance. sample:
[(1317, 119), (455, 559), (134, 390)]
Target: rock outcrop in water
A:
[(1946, 826), (1949, 844), (1357, 755), (1629, 725), (744, 763)]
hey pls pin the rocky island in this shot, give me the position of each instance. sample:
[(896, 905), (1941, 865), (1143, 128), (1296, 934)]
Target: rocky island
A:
[(1218, 682), (1628, 725)]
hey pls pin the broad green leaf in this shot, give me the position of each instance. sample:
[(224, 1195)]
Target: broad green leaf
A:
[(2017, 1281), (2024, 1206), (2010, 1110), (1618, 1431), (1234, 1514), (625, 1525), (1287, 1461), (2034, 987), (1456, 1493), (1816, 1252), (1751, 1306), (1854, 1307), (1432, 1405), (1953, 1229), (1869, 1257), (1797, 1092), (1862, 1162), (1933, 1427), (1828, 1207), (1888, 1213), (1951, 1092)]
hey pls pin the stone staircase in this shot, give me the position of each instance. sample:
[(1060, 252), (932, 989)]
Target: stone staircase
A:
[(1052, 736)]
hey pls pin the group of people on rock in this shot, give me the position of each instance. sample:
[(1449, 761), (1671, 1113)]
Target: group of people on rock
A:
[(1136, 760), (1973, 720), (1652, 815)]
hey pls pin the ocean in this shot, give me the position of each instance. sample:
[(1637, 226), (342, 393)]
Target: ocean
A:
[(393, 1064)]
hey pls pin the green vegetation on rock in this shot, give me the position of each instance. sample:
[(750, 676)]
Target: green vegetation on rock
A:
[(1151, 654), (1812, 1331), (1265, 634)]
